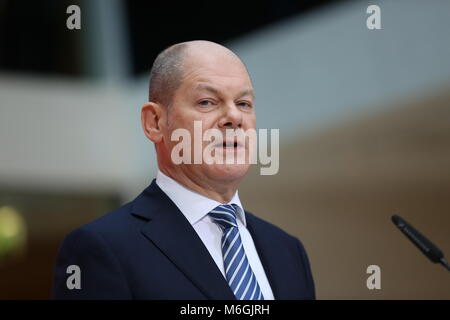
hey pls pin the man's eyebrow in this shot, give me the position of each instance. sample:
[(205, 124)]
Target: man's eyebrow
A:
[(246, 92), (207, 87)]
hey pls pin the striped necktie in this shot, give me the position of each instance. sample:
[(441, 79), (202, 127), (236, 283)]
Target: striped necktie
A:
[(238, 272)]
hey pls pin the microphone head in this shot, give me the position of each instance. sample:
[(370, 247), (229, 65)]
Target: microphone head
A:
[(398, 221)]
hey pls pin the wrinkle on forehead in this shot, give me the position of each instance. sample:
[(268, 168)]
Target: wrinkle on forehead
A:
[(202, 86)]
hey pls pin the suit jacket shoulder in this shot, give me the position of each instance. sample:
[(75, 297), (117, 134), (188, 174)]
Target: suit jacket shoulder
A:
[(275, 245)]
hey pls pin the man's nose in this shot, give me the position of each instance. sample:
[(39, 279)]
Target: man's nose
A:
[(232, 117)]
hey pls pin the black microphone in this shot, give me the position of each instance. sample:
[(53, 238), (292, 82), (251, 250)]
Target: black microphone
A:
[(426, 246)]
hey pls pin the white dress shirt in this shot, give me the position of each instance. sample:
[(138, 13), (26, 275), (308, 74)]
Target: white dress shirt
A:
[(195, 208)]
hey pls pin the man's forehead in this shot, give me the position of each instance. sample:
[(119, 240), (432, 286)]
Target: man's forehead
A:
[(199, 63), (206, 86), (213, 68)]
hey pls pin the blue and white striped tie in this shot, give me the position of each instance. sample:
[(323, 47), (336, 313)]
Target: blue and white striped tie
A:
[(238, 272)]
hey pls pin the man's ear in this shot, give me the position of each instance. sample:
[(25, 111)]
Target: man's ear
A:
[(151, 115)]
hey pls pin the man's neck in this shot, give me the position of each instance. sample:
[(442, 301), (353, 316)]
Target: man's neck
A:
[(221, 192)]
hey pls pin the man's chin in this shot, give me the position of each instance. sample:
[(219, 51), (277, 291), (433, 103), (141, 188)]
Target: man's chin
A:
[(228, 172)]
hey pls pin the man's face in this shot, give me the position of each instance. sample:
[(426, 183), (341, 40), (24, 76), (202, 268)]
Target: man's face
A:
[(218, 92)]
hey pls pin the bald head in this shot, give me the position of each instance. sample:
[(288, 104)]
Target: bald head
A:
[(170, 66), (166, 74)]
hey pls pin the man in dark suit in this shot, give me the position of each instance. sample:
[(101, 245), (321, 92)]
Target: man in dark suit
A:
[(187, 236)]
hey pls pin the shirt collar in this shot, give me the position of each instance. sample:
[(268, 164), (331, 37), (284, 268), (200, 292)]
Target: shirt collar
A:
[(193, 205)]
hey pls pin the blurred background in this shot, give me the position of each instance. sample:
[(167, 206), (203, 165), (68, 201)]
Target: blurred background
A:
[(364, 119)]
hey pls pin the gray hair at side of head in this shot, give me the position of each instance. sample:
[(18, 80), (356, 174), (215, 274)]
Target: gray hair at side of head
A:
[(166, 74)]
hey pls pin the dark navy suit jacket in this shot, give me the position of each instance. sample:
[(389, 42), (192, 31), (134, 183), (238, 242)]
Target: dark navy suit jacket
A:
[(147, 249)]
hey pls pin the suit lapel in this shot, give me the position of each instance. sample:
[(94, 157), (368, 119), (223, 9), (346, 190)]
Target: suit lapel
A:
[(267, 253), (171, 232)]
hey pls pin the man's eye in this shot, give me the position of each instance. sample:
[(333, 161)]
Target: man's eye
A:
[(205, 103), (244, 104)]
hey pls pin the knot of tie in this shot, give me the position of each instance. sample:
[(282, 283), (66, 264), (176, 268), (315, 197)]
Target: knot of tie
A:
[(224, 215)]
